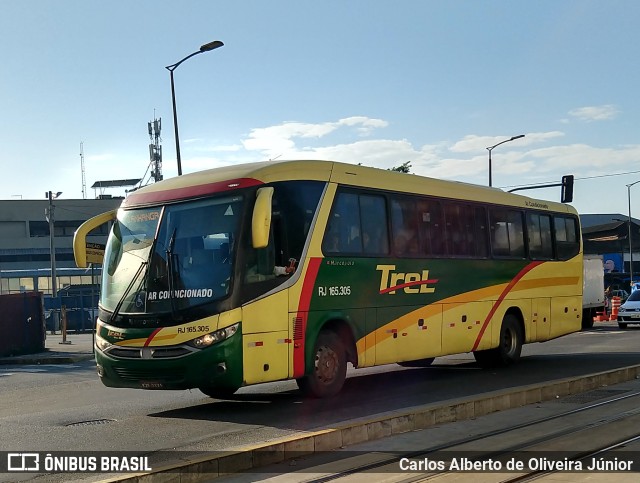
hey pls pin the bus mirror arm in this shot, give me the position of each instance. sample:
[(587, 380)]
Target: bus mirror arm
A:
[(80, 248), (566, 195), (261, 220)]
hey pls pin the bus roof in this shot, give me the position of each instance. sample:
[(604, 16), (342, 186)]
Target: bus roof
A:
[(228, 178)]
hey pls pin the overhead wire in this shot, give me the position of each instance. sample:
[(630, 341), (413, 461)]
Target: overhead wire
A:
[(576, 179)]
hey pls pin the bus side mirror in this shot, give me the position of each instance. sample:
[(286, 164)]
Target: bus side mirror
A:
[(567, 189), (85, 252), (261, 221)]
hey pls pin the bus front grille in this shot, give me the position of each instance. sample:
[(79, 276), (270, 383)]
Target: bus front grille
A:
[(175, 375), (172, 352)]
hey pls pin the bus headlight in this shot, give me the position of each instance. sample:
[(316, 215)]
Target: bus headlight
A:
[(102, 344), (218, 336)]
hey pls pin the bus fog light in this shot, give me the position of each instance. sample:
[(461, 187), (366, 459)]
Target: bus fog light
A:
[(100, 370)]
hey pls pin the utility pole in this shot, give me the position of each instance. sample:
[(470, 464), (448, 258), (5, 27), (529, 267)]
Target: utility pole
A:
[(50, 216), (84, 179)]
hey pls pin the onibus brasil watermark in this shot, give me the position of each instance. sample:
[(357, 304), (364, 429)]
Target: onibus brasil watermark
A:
[(39, 462)]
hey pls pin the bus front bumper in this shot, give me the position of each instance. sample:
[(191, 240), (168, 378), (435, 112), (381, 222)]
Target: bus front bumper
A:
[(172, 367)]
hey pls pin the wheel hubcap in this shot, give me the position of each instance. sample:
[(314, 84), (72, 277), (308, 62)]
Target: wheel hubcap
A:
[(509, 342), (326, 364)]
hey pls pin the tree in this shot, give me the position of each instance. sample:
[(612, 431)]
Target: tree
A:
[(403, 168)]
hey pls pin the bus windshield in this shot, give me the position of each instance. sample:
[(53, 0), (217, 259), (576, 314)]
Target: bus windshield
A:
[(162, 259)]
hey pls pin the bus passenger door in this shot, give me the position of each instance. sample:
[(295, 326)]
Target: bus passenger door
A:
[(461, 326), (265, 339)]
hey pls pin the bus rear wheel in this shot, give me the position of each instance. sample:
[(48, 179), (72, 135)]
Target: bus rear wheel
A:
[(509, 345), (329, 367)]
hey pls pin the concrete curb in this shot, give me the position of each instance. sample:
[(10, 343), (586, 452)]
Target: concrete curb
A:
[(44, 358), (380, 426)]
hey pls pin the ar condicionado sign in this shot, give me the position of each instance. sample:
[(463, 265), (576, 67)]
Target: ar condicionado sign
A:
[(95, 252)]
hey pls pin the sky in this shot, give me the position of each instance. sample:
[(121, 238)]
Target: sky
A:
[(374, 82)]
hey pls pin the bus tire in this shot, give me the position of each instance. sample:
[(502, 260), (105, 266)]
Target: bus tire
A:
[(587, 319), (218, 392), (509, 346), (622, 325), (419, 363), (329, 367)]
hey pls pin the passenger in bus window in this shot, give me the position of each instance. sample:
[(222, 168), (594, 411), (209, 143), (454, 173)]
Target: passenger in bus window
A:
[(260, 266), (374, 242), (334, 243), (406, 242)]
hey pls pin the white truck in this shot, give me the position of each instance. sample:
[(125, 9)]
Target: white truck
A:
[(593, 289)]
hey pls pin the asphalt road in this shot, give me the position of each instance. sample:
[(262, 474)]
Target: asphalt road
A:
[(65, 407)]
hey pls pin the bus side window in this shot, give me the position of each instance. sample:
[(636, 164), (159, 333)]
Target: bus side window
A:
[(430, 219), (507, 233), (567, 240), (373, 214), (403, 223), (343, 233), (540, 240)]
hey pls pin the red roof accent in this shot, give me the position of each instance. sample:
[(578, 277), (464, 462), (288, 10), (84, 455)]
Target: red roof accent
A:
[(145, 198)]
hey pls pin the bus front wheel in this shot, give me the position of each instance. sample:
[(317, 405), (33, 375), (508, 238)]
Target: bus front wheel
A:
[(329, 367), (509, 348)]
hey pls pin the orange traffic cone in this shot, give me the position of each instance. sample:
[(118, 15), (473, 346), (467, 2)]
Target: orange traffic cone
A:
[(615, 307)]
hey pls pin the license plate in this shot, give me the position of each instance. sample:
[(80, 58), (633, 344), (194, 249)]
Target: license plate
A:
[(151, 385)]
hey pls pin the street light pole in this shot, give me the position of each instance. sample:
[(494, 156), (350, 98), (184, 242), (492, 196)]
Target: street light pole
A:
[(204, 48), (490, 148), (629, 233), (52, 249)]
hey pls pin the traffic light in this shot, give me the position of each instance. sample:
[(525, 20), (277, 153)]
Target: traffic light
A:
[(567, 189)]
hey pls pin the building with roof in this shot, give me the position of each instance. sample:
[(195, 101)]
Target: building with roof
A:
[(25, 255), (617, 239)]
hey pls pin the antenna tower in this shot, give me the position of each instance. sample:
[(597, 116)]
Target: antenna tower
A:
[(155, 149), (84, 179)]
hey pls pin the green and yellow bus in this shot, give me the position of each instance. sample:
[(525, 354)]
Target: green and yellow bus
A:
[(291, 270)]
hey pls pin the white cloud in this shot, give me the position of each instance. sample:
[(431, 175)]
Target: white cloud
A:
[(279, 140), (475, 143), (584, 158), (595, 113), (367, 125)]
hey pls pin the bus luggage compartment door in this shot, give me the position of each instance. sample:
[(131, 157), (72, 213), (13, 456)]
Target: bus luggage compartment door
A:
[(265, 356)]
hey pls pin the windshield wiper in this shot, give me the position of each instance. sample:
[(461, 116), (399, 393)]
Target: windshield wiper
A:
[(171, 273), (118, 306)]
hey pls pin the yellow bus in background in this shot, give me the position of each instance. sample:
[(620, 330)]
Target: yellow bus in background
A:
[(293, 269)]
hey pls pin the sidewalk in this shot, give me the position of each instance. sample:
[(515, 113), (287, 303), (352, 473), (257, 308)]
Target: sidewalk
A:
[(78, 347)]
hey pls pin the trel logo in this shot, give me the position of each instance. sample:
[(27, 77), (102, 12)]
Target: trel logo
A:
[(410, 282)]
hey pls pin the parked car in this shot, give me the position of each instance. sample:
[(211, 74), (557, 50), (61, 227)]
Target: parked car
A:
[(629, 312)]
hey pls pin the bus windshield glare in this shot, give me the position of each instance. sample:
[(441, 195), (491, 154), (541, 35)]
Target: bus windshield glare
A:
[(162, 259)]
